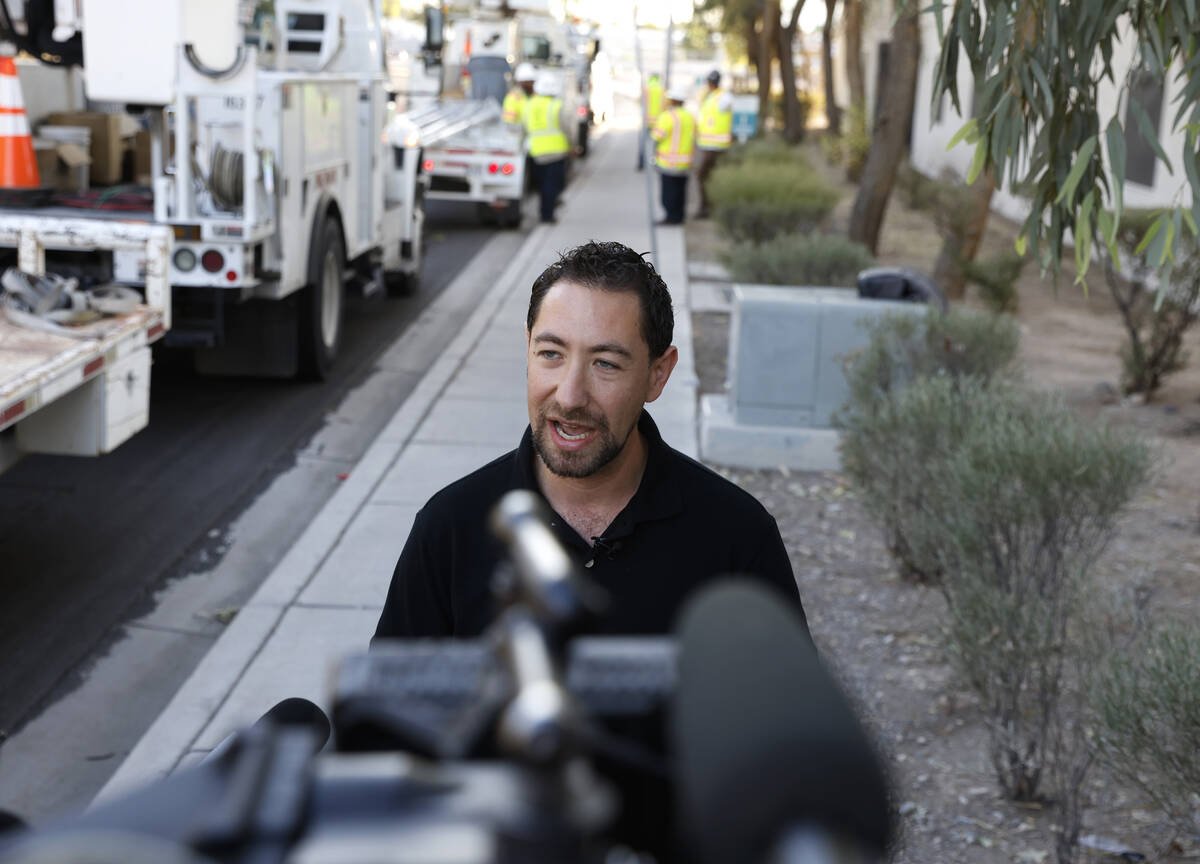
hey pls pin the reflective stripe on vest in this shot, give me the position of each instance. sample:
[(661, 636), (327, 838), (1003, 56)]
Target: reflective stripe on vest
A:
[(546, 137), (513, 103), (675, 148), (654, 101), (716, 126)]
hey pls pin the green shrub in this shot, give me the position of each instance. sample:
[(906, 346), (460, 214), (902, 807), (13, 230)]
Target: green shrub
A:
[(1156, 308), (1019, 500), (814, 259), (1147, 703), (903, 349), (831, 148), (768, 149), (997, 279), (856, 143), (917, 191), (757, 201)]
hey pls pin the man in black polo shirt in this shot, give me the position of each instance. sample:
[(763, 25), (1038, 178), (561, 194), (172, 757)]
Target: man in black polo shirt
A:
[(648, 523)]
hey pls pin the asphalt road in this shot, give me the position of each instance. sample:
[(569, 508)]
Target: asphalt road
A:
[(85, 543)]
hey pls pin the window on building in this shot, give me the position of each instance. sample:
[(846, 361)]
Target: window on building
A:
[(1140, 162)]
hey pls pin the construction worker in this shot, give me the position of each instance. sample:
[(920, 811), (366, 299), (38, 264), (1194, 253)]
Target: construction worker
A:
[(715, 136), (514, 102), (653, 107), (675, 134), (548, 144)]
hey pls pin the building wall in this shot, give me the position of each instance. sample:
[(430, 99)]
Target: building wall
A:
[(931, 133)]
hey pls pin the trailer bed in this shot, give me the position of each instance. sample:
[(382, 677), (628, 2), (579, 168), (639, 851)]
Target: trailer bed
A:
[(36, 367)]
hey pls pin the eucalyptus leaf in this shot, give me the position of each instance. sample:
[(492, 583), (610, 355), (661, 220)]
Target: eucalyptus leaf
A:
[(1076, 173), (967, 131), (1115, 137)]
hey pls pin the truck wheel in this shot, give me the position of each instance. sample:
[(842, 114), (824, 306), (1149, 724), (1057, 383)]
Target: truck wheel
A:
[(510, 216), (583, 139), (322, 305)]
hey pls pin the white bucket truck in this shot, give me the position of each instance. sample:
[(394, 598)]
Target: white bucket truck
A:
[(280, 177)]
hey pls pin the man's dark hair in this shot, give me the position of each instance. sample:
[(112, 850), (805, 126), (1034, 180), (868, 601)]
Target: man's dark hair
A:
[(612, 266)]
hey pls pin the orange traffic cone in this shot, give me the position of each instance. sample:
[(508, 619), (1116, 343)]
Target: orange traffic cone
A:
[(18, 163)]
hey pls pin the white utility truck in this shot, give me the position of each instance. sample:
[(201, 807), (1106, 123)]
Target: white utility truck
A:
[(280, 176), (485, 162)]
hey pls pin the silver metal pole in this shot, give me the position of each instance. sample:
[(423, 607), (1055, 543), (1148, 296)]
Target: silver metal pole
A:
[(643, 139)]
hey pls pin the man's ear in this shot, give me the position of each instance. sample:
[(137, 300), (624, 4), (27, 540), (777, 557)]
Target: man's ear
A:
[(660, 372)]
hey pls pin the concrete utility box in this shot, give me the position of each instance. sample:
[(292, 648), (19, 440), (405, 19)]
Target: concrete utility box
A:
[(785, 373)]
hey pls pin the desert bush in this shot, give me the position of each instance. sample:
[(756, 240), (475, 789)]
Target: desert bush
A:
[(815, 259), (1156, 308), (888, 466), (917, 191), (1147, 705), (1017, 507), (769, 149), (755, 200), (997, 279), (831, 148), (855, 143)]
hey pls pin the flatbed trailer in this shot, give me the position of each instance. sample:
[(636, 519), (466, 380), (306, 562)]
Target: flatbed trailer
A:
[(470, 154), (85, 392)]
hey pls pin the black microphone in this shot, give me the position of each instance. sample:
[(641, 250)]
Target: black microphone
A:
[(606, 547), (293, 711), (765, 741)]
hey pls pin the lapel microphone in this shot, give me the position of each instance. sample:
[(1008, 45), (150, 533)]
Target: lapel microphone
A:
[(606, 547)]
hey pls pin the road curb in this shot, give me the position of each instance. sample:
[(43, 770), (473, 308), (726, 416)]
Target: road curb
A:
[(172, 735)]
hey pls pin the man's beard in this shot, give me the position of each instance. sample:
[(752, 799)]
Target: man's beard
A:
[(578, 463)]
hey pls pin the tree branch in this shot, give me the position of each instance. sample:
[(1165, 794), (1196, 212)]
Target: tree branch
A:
[(795, 19)]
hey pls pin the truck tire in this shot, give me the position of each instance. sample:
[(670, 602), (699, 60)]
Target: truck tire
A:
[(322, 304), (583, 139), (510, 216)]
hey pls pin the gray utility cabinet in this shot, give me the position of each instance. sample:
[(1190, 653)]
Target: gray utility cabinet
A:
[(786, 349), (785, 375)]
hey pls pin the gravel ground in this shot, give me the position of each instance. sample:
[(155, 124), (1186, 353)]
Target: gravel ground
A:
[(881, 635)]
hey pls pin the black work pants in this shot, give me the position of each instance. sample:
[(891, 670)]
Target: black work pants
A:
[(552, 178), (705, 163), (674, 196)]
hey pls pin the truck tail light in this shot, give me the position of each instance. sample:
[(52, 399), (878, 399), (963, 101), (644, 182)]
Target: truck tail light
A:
[(493, 168), (212, 261), (427, 165), (507, 168)]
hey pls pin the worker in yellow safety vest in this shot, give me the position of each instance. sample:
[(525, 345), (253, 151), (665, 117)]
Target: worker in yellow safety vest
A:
[(514, 102), (675, 135), (545, 125), (716, 134), (651, 108)]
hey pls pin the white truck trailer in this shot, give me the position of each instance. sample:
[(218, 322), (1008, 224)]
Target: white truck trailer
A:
[(82, 392)]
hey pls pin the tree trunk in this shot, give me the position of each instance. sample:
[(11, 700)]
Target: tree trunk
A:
[(956, 251), (891, 131), (832, 111), (751, 36), (793, 117), (768, 47), (852, 22)]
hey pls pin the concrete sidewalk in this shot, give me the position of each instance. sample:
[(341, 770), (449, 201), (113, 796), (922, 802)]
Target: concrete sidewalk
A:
[(322, 601)]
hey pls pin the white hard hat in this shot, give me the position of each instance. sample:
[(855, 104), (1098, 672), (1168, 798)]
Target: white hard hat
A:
[(547, 85), (525, 72), (678, 93)]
